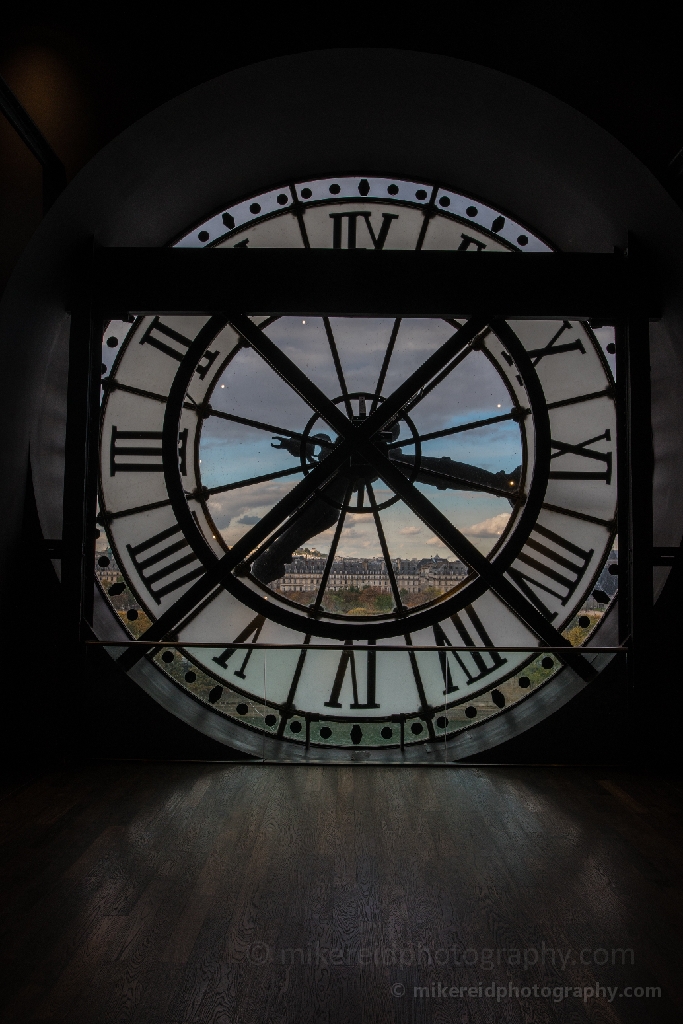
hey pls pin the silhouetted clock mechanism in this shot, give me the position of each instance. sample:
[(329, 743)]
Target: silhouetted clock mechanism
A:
[(361, 483)]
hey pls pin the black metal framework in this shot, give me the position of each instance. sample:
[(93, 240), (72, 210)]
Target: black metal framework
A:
[(611, 289)]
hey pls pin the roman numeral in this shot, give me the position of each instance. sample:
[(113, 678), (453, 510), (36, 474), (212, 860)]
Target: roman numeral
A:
[(551, 349), (126, 443), (468, 243), (156, 565), (475, 665), (561, 576), (174, 344), (443, 641), (586, 453), (352, 221), (249, 634), (348, 660)]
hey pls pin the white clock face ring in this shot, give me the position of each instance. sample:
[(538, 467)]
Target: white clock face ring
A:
[(478, 508)]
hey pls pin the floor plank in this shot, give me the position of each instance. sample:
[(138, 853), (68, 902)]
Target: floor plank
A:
[(231, 894)]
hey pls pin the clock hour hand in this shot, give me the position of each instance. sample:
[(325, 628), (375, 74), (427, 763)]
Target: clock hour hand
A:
[(294, 445), (319, 515)]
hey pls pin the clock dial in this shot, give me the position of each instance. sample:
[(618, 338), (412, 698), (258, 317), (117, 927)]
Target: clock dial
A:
[(363, 482)]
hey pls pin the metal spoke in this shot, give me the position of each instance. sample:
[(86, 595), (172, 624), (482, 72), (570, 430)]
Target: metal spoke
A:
[(605, 393), (607, 523), (385, 549), (472, 425), (429, 210), (333, 551), (437, 380), (250, 480), (414, 389), (297, 209), (385, 363), (112, 384), (107, 516), (260, 425), (338, 366)]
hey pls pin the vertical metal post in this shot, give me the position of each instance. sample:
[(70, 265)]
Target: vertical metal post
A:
[(80, 471), (623, 481), (635, 471)]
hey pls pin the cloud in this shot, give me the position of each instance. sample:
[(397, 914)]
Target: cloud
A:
[(492, 527), (258, 498), (433, 541), (410, 531), (249, 520)]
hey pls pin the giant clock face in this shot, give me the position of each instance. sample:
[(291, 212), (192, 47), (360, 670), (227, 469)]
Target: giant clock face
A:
[(479, 513)]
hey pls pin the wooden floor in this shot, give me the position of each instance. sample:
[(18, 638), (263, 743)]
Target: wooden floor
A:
[(245, 894)]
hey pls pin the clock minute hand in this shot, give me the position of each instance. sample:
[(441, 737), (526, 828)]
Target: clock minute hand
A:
[(445, 473)]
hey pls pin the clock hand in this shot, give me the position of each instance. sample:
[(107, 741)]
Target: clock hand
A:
[(295, 442), (318, 515), (444, 473)]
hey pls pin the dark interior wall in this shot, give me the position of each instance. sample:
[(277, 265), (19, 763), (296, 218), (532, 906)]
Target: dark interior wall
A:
[(84, 80), (86, 74)]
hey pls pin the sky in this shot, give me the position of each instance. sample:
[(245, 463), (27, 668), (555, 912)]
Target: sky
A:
[(230, 452)]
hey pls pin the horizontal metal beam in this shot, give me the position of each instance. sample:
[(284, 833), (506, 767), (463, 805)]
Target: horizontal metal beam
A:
[(363, 282), (359, 649)]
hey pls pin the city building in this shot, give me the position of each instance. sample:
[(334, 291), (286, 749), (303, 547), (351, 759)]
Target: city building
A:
[(414, 575)]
